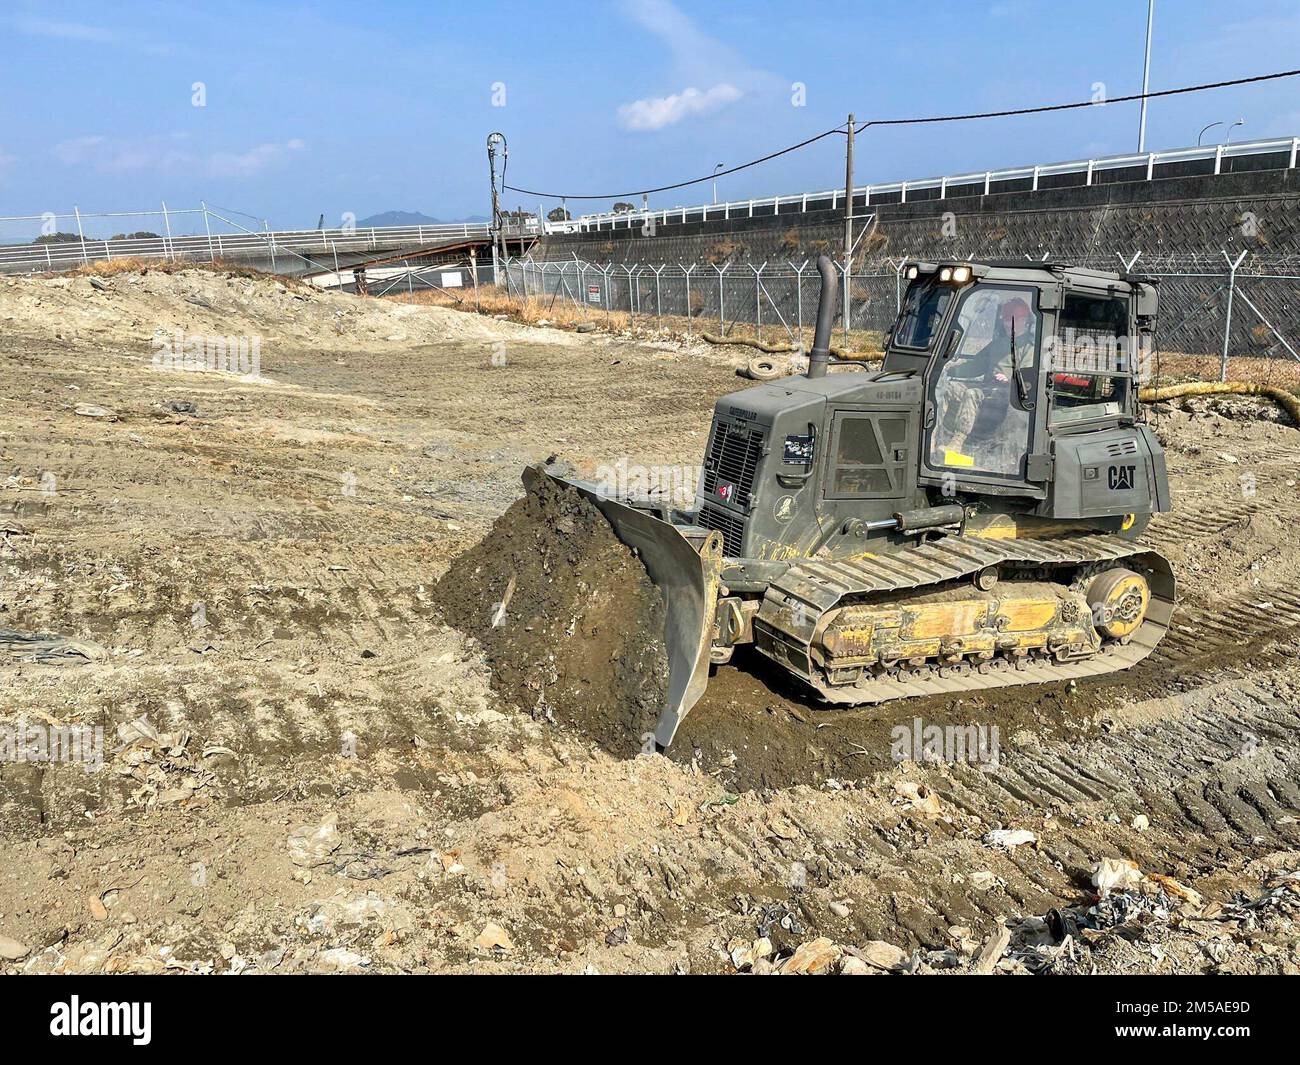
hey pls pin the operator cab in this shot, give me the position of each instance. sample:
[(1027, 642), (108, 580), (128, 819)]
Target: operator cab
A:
[(1007, 392), (1015, 355)]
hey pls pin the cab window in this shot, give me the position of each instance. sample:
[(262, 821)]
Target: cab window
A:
[(983, 392), (924, 308), (870, 451), (1089, 364)]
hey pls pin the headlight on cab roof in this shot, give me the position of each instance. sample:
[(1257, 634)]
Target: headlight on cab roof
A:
[(911, 273), (961, 275), (945, 274)]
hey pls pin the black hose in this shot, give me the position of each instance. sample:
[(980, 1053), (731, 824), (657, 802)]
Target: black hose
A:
[(827, 304)]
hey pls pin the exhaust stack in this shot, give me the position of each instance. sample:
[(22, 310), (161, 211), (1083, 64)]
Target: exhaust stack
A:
[(827, 304)]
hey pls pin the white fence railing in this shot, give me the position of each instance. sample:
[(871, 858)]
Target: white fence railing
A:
[(209, 245), (1212, 159)]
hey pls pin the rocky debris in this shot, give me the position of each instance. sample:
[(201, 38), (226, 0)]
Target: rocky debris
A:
[(1008, 838), (494, 939), (343, 960), (816, 956), (917, 798), (880, 955), (164, 766), (1112, 873), (313, 845), (12, 950), (49, 648), (991, 953), (745, 954)]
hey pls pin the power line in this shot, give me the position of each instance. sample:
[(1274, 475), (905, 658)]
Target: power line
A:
[(1077, 104), (680, 184), (908, 122)]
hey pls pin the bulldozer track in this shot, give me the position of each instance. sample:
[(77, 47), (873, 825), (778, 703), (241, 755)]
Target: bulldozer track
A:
[(798, 601)]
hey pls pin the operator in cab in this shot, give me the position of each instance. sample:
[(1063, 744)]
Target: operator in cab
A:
[(984, 421)]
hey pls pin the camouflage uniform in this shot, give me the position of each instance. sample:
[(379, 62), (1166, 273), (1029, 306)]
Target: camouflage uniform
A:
[(978, 406)]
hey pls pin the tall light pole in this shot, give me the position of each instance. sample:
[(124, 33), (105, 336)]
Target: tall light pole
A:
[(1204, 130), (1239, 122), (1146, 79), (848, 225), (715, 181)]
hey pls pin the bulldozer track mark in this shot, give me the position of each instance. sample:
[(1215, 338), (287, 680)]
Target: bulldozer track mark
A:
[(1238, 622)]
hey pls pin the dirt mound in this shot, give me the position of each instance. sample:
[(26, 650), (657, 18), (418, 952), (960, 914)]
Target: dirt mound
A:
[(571, 624), (153, 305)]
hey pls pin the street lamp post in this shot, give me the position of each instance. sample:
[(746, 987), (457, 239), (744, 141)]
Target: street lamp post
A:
[(1146, 79), (1227, 138), (715, 181)]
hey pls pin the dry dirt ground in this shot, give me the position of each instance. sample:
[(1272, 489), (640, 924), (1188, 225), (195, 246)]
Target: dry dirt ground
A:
[(306, 769)]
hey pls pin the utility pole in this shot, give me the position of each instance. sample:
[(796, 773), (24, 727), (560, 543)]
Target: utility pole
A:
[(848, 226), (498, 237), (1146, 79)]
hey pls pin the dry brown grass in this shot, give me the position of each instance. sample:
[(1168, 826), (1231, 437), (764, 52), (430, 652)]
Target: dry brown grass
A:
[(141, 264), (492, 300), (1173, 368), (1176, 368)]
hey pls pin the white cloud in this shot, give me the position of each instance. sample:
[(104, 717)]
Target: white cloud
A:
[(694, 58), (169, 155), (656, 112), (242, 164), (62, 30), (79, 149), (119, 156), (84, 33)]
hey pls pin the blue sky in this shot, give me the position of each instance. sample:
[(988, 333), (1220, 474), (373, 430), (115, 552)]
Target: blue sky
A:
[(344, 107)]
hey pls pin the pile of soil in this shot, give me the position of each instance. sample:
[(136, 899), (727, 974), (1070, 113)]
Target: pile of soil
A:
[(568, 618)]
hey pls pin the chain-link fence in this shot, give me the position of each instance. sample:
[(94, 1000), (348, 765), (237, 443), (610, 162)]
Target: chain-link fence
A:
[(1233, 310)]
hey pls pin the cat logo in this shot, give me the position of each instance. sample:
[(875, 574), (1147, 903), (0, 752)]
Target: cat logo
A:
[(1120, 478)]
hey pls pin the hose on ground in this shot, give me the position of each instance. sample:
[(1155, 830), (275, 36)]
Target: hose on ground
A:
[(781, 349), (1284, 399), (771, 349)]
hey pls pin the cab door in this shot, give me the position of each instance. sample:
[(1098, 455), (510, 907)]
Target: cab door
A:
[(983, 390)]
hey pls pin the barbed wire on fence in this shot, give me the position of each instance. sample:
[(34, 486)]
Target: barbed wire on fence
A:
[(1197, 315)]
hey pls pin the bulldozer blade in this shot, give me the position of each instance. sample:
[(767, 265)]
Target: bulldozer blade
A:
[(687, 575)]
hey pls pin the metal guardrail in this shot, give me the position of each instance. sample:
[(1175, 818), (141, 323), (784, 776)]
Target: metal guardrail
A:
[(1214, 159), (208, 246)]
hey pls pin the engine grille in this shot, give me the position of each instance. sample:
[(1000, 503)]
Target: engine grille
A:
[(731, 526), (732, 460)]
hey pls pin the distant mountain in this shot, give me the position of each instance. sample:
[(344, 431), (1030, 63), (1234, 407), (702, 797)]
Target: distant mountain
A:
[(413, 218)]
